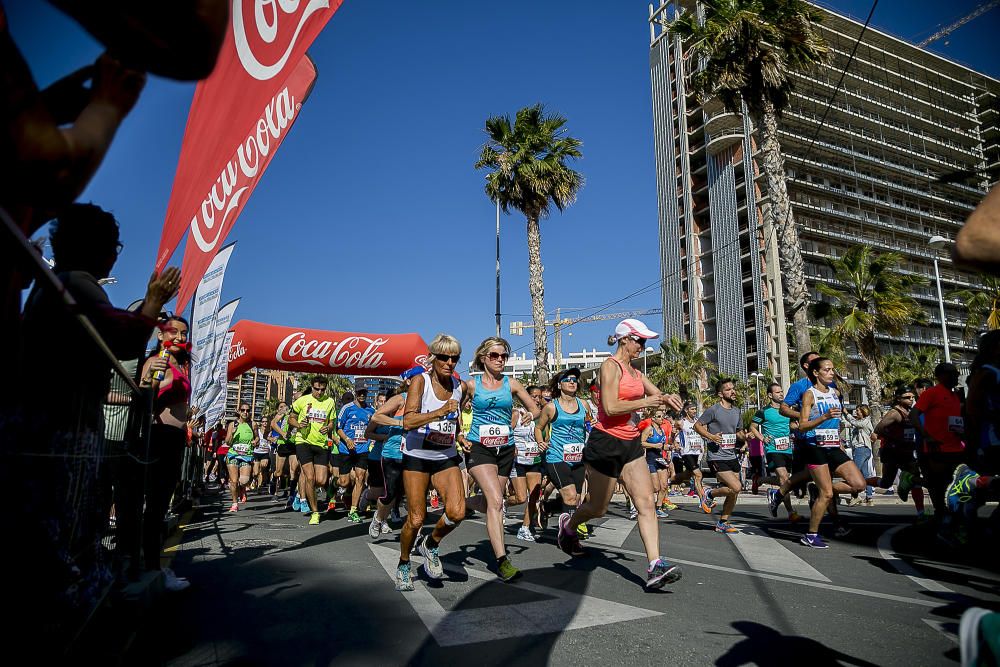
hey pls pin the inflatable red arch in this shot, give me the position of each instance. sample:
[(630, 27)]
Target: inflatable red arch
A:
[(257, 345)]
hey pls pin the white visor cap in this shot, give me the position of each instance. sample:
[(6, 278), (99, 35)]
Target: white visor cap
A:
[(632, 327)]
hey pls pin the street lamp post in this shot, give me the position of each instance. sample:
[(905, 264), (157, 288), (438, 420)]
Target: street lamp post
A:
[(498, 268), (644, 355), (939, 242)]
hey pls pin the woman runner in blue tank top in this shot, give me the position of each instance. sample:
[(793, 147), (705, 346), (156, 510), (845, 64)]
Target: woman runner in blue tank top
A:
[(568, 417), (489, 443)]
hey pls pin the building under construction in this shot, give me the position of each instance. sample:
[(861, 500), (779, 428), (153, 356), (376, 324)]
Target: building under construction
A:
[(901, 154)]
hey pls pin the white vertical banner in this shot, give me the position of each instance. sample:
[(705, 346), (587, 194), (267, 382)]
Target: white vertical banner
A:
[(218, 404), (203, 316), (219, 360)]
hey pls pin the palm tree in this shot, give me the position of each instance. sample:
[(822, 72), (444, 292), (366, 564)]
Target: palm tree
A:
[(872, 298), (983, 304), (683, 365), (903, 369), (528, 173), (748, 49)]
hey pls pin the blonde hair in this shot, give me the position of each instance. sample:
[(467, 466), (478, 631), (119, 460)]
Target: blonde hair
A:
[(444, 344), (864, 410), (484, 347)]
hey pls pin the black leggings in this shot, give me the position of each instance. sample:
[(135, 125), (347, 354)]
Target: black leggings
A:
[(152, 484)]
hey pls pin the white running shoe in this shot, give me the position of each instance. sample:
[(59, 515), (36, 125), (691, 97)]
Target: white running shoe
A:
[(375, 528), (172, 582), (524, 534)]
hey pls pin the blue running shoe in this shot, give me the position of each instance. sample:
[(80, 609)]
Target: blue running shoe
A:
[(662, 572), (813, 541), (773, 500), (295, 503)]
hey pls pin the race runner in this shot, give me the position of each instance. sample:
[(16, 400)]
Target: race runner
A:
[(312, 414), (613, 451), (352, 460), (489, 443), (528, 470), (692, 447), (239, 459), (430, 458), (771, 427), (721, 426), (899, 450)]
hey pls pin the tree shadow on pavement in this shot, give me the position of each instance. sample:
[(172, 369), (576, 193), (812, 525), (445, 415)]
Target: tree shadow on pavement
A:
[(766, 647)]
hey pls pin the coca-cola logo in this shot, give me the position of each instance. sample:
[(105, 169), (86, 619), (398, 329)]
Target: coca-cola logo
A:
[(236, 350), (421, 360), (207, 224), (274, 29), (351, 352)]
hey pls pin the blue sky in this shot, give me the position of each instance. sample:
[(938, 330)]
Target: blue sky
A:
[(372, 218)]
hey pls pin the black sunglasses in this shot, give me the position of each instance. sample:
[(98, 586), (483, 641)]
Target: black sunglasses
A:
[(448, 357)]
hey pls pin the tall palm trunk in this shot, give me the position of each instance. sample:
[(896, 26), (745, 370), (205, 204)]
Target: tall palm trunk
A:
[(536, 285), (872, 358), (792, 267)]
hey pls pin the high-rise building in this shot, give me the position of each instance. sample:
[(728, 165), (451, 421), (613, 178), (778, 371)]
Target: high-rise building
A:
[(377, 385), (256, 387), (878, 165)]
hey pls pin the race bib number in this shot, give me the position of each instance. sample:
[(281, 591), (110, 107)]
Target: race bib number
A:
[(359, 434), (531, 449), (573, 453), (694, 442), (782, 444), (909, 435), (728, 440), (440, 435), (494, 435), (242, 448), (316, 416), (956, 424), (828, 437)]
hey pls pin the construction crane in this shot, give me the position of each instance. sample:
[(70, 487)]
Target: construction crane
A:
[(557, 324), (947, 30)]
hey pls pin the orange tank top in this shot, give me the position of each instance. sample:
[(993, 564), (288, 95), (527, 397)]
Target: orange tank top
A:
[(630, 388)]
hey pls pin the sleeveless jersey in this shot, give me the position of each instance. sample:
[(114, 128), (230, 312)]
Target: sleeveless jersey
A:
[(524, 440), (827, 433), (434, 441), (630, 388), (692, 444), (242, 440), (569, 433), (392, 447), (491, 414)]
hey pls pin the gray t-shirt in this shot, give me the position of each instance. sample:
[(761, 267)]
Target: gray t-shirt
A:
[(718, 419)]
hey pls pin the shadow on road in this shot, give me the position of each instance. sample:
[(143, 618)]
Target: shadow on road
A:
[(767, 647)]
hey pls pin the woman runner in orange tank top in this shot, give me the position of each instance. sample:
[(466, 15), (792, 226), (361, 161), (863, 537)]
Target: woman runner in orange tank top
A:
[(614, 452)]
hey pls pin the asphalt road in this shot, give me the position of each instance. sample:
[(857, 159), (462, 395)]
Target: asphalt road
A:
[(269, 589)]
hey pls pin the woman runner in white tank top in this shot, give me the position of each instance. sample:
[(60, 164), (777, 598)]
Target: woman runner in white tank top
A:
[(430, 417)]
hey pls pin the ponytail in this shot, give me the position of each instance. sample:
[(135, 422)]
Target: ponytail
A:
[(612, 340)]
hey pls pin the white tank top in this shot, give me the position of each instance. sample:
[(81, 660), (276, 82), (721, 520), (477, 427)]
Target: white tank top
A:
[(435, 441), (691, 442)]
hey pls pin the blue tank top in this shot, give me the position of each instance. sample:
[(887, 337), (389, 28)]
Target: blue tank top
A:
[(656, 438), (391, 447), (567, 428), (827, 433), (491, 407)]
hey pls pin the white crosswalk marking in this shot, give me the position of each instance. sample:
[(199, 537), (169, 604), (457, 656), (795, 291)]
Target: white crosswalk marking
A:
[(562, 611), (613, 532), (763, 553)]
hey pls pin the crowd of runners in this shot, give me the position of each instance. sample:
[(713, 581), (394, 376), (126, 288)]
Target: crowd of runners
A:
[(490, 443)]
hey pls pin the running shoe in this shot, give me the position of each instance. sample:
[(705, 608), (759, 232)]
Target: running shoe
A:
[(794, 517), (243, 497), (403, 580), (172, 582), (583, 531), (925, 515), (524, 534), (542, 515), (277, 499), (963, 484), (386, 528), (507, 572), (503, 509), (662, 572), (567, 540), (725, 527), (773, 500), (633, 514), (905, 484), (331, 506), (354, 517), (706, 502), (234, 507), (813, 493), (692, 493), (662, 513), (304, 507), (375, 528), (296, 503), (755, 485), (432, 561), (314, 519), (842, 530), (813, 541), (213, 477), (435, 502), (670, 507)]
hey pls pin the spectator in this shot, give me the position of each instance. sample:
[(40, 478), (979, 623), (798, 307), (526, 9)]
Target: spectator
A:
[(53, 492), (860, 436)]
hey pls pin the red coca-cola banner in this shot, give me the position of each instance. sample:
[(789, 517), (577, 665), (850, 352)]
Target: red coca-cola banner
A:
[(238, 117), (257, 345)]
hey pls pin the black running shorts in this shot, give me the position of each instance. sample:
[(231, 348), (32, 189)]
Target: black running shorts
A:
[(609, 455), (502, 457)]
